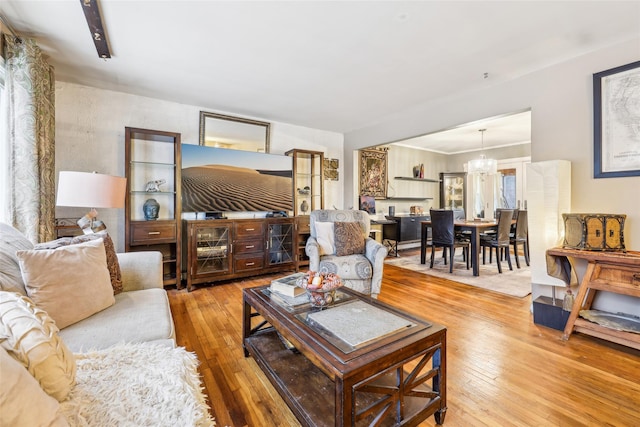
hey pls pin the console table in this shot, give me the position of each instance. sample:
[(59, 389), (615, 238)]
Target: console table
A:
[(404, 228), (617, 272)]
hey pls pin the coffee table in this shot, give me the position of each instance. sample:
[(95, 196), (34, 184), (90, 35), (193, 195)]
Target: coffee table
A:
[(389, 370)]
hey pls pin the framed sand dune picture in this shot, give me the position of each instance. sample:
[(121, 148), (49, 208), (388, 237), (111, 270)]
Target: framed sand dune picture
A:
[(222, 180)]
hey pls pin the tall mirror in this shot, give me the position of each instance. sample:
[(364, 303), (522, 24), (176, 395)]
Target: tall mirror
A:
[(236, 133)]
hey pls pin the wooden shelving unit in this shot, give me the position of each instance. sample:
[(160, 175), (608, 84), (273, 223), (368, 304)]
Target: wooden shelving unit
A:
[(308, 195), (152, 155)]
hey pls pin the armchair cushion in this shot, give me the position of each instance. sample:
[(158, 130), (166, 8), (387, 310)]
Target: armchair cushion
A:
[(349, 239)]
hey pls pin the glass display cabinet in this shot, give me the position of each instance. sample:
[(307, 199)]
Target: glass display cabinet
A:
[(152, 202), (280, 238), (308, 188), (452, 190), (308, 181)]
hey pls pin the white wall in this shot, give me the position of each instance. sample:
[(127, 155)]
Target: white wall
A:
[(90, 127), (561, 102)]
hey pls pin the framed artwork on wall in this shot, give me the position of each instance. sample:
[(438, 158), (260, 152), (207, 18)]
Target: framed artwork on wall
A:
[(373, 173), (616, 133), (331, 169), (368, 204)]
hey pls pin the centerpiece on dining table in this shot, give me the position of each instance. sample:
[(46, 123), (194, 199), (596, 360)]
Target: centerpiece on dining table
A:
[(321, 287)]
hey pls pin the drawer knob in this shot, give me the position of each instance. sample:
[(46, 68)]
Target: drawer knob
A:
[(251, 263), (250, 246), (153, 233), (249, 229)]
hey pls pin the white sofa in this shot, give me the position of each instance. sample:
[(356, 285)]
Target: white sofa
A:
[(138, 326)]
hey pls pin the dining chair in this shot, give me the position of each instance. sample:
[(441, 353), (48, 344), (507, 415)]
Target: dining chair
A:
[(520, 236), (443, 236), (500, 240)]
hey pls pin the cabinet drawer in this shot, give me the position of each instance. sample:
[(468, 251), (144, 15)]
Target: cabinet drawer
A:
[(248, 246), (247, 230), (626, 278), (248, 263), (304, 227), (155, 232)]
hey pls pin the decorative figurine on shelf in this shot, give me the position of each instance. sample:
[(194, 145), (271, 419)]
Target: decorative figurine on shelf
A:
[(154, 186), (151, 208), (416, 171), (421, 170), (304, 207)]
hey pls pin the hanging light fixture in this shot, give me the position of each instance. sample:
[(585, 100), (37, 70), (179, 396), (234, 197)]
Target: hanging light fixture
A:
[(482, 166)]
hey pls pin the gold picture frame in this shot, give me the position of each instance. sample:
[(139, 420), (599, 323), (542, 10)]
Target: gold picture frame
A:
[(331, 169), (373, 173)]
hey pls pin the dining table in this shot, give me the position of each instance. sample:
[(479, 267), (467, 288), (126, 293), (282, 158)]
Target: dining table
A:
[(476, 227)]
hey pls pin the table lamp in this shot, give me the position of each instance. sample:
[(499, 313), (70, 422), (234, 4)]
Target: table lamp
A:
[(90, 190)]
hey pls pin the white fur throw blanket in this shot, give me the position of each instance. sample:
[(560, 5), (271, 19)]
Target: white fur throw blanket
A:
[(137, 385)]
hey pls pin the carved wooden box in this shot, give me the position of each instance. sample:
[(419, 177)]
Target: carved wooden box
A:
[(594, 232)]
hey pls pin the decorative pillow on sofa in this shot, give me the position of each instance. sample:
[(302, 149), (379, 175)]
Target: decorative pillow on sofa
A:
[(325, 238), (24, 403), (112, 258), (349, 238), (110, 251), (70, 283), (31, 337), (11, 241)]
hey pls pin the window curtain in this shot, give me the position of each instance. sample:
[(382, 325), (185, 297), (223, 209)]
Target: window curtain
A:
[(28, 140)]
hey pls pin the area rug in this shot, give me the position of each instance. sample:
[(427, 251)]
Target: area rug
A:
[(515, 283), (137, 385)]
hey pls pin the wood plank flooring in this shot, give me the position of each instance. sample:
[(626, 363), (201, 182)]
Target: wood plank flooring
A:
[(503, 370)]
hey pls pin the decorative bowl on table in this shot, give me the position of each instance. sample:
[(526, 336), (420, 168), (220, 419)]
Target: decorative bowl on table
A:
[(321, 287)]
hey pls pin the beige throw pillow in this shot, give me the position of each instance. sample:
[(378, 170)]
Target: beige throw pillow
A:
[(31, 337), (70, 283), (325, 238), (112, 258)]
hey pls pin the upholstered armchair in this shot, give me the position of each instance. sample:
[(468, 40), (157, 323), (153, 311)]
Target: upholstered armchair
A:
[(336, 247)]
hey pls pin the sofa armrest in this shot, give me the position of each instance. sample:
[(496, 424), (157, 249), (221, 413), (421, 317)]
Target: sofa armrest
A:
[(141, 270)]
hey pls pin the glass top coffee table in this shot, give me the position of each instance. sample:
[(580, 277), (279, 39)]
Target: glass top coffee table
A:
[(358, 362)]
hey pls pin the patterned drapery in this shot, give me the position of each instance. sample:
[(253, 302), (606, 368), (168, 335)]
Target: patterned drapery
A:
[(29, 124)]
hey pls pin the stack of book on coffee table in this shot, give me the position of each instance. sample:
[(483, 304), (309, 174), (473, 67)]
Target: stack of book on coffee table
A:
[(285, 289)]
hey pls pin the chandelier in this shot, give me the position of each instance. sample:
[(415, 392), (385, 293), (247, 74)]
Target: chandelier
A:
[(482, 166)]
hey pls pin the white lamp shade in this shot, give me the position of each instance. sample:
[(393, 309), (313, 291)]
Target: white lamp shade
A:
[(90, 190)]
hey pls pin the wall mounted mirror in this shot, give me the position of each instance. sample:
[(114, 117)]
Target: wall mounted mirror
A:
[(236, 133)]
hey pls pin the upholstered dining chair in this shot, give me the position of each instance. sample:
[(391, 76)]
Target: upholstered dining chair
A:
[(520, 236), (443, 236), (340, 243), (500, 240)]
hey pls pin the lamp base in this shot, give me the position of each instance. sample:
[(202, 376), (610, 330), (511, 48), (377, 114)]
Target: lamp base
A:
[(90, 223)]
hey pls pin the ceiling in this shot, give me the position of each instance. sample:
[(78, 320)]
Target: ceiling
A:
[(337, 66)]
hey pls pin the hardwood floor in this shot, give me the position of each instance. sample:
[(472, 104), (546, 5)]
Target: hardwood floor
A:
[(503, 370)]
